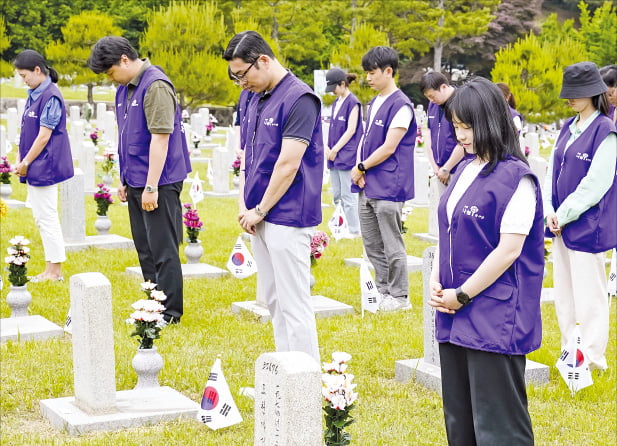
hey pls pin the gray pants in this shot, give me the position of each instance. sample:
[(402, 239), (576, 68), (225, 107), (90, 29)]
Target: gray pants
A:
[(380, 221)]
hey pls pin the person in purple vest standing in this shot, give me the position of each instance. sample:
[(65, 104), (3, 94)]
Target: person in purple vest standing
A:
[(580, 197), (609, 76), (283, 167), (154, 161), (443, 152), (384, 177), (343, 139), (487, 275), (45, 155)]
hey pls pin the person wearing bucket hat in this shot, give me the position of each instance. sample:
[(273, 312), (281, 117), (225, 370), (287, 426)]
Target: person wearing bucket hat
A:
[(579, 205), (344, 137)]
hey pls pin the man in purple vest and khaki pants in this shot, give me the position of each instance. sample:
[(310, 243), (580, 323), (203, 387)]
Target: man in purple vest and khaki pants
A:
[(154, 162), (283, 170)]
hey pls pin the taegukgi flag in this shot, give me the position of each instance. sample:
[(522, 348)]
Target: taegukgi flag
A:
[(572, 363), (197, 191), (370, 295), (338, 223), (218, 409), (241, 263), (68, 323)]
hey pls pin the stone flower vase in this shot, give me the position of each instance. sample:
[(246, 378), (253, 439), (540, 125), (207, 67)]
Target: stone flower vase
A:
[(193, 251), (147, 364), (18, 299), (107, 179), (102, 224), (235, 181), (6, 190)]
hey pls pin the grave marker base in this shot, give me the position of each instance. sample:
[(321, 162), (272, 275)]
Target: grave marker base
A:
[(427, 237), (323, 307), (110, 241), (134, 408), (189, 271), (27, 328), (14, 204)]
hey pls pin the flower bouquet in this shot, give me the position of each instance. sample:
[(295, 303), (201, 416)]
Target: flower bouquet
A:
[(17, 259), (192, 222), (236, 166), (103, 199), (94, 136), (148, 316), (209, 128), (419, 138), (339, 394), (108, 163), (196, 140), (5, 171), (318, 244)]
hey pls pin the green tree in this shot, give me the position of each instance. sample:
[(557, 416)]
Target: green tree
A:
[(186, 39), (6, 69), (533, 68), (598, 31), (69, 56)]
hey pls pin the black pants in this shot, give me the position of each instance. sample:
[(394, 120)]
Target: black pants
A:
[(484, 398), (157, 236)]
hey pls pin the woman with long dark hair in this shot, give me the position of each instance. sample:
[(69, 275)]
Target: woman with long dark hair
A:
[(487, 275), (44, 154)]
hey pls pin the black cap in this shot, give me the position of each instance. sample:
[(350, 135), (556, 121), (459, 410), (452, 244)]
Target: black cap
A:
[(582, 80), (334, 77)]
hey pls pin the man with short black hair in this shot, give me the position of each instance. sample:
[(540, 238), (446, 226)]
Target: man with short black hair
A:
[(283, 168)]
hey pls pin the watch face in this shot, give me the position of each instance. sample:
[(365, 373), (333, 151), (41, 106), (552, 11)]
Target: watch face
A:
[(462, 298)]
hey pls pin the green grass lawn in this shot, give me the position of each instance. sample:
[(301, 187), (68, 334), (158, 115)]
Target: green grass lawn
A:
[(387, 412)]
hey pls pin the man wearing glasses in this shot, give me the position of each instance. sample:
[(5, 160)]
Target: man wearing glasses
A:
[(283, 166)]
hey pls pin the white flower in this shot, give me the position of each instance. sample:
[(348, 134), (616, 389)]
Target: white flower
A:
[(12, 251), (18, 261), (158, 295), (148, 286), (148, 305), (19, 240), (341, 357), (9, 259), (130, 321)]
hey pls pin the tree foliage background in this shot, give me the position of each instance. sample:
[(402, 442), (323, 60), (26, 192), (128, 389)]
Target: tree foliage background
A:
[(187, 37)]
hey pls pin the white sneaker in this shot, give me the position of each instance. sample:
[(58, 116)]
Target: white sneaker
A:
[(389, 303)]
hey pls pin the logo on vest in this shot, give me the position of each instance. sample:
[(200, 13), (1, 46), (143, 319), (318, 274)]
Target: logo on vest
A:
[(134, 103), (342, 118), (583, 157), (270, 122), (472, 211), (119, 104), (378, 122), (31, 114)]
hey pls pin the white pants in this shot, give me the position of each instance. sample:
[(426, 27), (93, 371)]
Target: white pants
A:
[(283, 256), (44, 203), (581, 296)]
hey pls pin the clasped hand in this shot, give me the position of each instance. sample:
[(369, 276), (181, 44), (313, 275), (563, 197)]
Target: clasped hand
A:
[(442, 300)]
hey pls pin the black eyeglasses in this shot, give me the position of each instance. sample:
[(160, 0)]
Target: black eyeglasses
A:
[(239, 78)]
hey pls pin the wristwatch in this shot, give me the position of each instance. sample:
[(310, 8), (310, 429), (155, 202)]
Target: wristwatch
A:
[(462, 297), (151, 189), (361, 167), (260, 212)]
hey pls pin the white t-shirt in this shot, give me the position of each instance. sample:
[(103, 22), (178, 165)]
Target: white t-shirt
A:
[(402, 119), (520, 211)]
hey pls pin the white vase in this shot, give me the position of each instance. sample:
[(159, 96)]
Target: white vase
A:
[(147, 363), (235, 181), (5, 191), (18, 299), (102, 224), (193, 252), (107, 179)]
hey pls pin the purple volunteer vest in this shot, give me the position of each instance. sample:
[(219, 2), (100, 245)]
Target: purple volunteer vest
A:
[(595, 230), (514, 113), (346, 157), (611, 112), (134, 137), (300, 206), (505, 317), (443, 139), (391, 180), (55, 163)]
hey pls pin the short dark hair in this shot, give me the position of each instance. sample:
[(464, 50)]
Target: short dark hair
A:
[(30, 59), (480, 105), (380, 57), (609, 75), (248, 46), (108, 51), (432, 80)]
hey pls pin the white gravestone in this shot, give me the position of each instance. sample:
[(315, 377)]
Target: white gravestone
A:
[(420, 172), (21, 106), (88, 166), (73, 217), (287, 400), (76, 137), (538, 166), (198, 125), (220, 168), (110, 129), (5, 146), (74, 113), (101, 109), (532, 140), (11, 124), (205, 113)]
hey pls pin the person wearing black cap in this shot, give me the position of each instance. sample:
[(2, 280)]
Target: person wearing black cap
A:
[(579, 206), (343, 139)]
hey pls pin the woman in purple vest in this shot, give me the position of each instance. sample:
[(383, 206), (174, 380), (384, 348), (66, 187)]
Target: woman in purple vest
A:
[(45, 155), (343, 140), (579, 198), (516, 116), (487, 275)]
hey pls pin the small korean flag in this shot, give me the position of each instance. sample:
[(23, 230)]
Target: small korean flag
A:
[(338, 223), (197, 192), (572, 364), (370, 295), (241, 263), (68, 323), (218, 409)]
